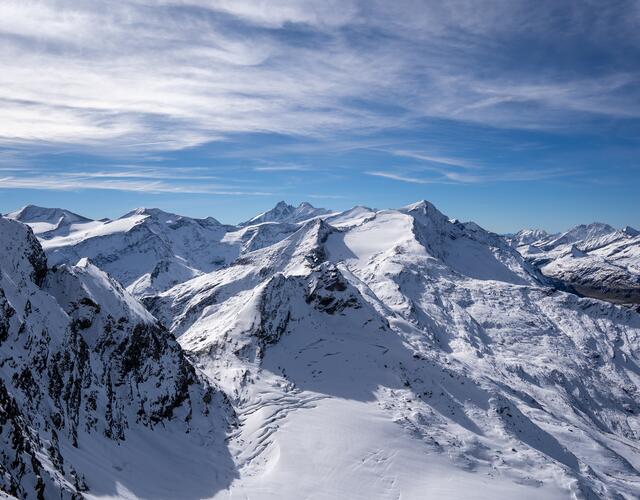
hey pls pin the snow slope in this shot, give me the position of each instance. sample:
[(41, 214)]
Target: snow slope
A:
[(147, 250), (406, 355)]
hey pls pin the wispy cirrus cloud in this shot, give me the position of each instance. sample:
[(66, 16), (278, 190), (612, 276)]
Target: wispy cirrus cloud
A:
[(282, 168), (399, 177), (163, 75), (155, 174), (418, 175), (441, 160), (126, 183)]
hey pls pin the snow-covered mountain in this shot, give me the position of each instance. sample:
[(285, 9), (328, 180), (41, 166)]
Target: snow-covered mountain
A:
[(364, 354), (49, 223), (284, 212), (595, 260), (96, 398), (149, 250), (408, 355), (528, 236)]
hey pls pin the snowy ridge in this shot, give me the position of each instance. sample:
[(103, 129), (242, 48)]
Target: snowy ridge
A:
[(48, 223), (147, 249), (527, 237)]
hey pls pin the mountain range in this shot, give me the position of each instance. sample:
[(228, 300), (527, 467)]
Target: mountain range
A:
[(595, 260), (309, 353)]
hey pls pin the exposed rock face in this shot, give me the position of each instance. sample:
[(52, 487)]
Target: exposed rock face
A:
[(81, 363)]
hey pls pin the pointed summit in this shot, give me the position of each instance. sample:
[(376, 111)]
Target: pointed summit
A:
[(425, 210), (152, 212), (421, 205), (528, 237), (283, 212)]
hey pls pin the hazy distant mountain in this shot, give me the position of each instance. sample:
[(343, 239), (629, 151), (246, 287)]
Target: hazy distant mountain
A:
[(595, 260)]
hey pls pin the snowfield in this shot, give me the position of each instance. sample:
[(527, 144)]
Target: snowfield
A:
[(366, 354)]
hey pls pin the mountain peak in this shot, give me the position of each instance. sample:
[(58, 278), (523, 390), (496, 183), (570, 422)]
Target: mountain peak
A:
[(528, 236), (147, 211), (35, 213), (588, 231), (422, 205), (423, 208), (283, 212)]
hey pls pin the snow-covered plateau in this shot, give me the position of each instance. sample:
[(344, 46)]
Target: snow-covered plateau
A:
[(308, 353)]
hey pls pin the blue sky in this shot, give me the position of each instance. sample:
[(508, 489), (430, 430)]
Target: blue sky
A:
[(509, 113)]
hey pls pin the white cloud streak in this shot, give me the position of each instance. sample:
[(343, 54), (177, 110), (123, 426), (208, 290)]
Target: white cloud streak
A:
[(443, 160), (282, 168), (80, 183), (163, 75), (398, 177), (477, 177)]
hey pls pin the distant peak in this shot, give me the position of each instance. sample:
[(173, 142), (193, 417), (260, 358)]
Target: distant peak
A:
[(35, 213), (630, 231), (420, 205), (283, 212), (34, 207), (534, 231), (154, 212), (147, 211), (593, 228)]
